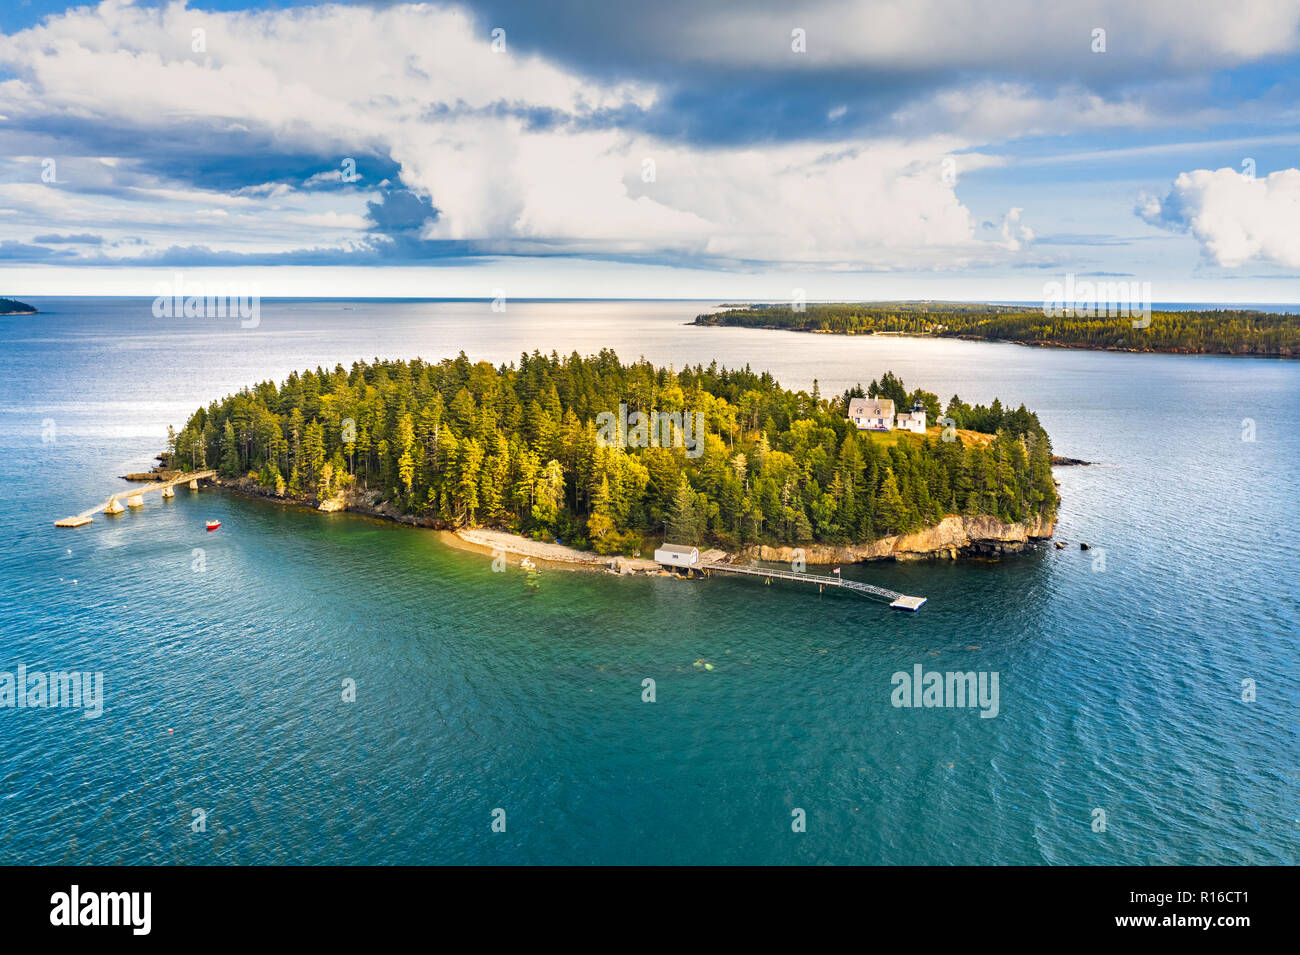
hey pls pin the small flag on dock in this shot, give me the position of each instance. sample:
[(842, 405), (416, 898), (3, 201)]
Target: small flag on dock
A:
[(835, 571)]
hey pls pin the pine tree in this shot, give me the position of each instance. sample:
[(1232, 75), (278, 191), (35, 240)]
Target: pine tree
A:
[(601, 524), (548, 495), (685, 523), (890, 509), (229, 451)]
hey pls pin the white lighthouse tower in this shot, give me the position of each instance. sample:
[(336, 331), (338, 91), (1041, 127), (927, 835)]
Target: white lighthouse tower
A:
[(914, 420)]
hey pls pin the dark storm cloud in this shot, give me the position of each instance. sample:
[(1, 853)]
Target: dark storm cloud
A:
[(201, 154), (769, 100), (399, 211), (11, 251), (770, 97)]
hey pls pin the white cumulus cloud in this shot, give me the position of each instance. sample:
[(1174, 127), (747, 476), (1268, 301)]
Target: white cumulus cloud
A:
[(1236, 218)]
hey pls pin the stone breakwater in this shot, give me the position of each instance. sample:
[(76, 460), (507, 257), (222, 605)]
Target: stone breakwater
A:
[(951, 538)]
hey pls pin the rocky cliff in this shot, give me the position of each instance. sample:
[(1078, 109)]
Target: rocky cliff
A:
[(951, 538)]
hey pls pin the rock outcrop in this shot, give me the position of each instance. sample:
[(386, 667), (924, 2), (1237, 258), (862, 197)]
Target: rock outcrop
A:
[(951, 538)]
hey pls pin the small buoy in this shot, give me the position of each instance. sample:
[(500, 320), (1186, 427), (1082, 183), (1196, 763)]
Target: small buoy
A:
[(170, 730)]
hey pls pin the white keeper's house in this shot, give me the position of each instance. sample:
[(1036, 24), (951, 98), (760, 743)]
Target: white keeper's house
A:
[(877, 414)]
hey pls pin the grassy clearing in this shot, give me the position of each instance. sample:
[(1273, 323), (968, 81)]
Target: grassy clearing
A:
[(968, 438)]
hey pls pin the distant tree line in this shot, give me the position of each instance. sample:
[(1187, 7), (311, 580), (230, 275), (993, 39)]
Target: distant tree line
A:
[(9, 306), (1219, 331), (517, 446)]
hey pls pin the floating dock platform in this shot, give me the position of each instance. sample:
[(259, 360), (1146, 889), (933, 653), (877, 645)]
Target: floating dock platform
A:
[(908, 603)]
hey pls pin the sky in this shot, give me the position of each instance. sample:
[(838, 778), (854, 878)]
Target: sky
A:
[(737, 149)]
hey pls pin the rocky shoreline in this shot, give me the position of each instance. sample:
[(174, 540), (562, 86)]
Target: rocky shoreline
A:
[(952, 538)]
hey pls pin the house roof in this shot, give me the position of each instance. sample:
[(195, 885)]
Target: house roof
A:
[(871, 407)]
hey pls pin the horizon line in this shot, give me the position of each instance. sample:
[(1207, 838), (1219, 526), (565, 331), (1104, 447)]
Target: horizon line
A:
[(723, 301)]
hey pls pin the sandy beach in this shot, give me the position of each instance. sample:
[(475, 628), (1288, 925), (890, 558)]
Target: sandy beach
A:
[(486, 540)]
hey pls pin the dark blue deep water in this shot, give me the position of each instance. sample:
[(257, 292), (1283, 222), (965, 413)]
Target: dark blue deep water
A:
[(1121, 679)]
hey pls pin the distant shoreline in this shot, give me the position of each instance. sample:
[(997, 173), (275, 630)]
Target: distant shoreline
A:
[(1066, 346), (1238, 333), (11, 306)]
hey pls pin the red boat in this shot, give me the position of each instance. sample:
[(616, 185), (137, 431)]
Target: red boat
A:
[(213, 525)]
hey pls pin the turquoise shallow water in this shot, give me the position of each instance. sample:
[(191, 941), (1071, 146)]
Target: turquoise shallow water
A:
[(1120, 688)]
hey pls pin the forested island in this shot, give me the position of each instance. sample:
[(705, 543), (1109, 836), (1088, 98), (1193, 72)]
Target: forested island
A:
[(9, 306), (1219, 331), (527, 448)]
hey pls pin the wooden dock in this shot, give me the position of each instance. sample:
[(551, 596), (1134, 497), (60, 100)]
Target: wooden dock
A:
[(900, 601), (134, 497)]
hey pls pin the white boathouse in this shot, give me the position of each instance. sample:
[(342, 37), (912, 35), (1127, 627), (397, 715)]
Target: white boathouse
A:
[(677, 555)]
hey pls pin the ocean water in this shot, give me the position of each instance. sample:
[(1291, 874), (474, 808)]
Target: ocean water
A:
[(1120, 669)]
